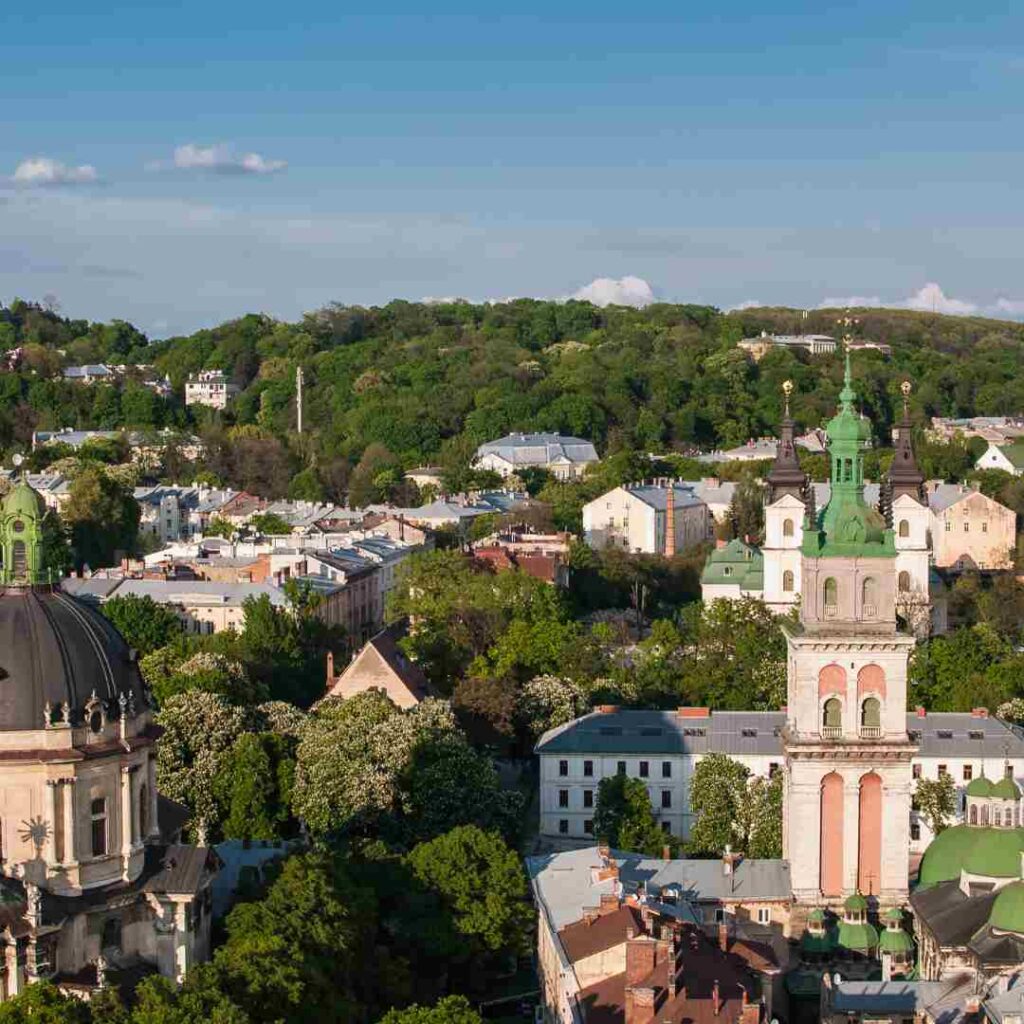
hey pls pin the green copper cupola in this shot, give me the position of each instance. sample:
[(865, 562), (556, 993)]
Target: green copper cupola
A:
[(22, 546), (848, 525)]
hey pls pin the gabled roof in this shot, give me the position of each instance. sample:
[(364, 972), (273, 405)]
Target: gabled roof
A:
[(383, 648), (582, 938), (1014, 453)]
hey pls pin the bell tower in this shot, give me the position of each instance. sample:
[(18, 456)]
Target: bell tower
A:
[(847, 752), (22, 513)]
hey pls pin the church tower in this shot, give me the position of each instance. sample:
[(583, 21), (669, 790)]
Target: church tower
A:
[(847, 752), (784, 512), (22, 541)]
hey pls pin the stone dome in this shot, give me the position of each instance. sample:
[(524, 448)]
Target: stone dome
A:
[(1008, 910), (993, 852), (56, 649)]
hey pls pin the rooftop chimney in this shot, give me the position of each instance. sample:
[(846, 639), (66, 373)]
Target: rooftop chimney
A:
[(921, 713), (716, 998), (979, 712), (723, 937), (641, 956), (670, 521)]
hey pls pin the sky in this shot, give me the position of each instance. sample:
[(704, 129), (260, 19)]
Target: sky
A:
[(178, 164)]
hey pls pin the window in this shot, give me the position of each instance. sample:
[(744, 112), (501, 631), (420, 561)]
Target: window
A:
[(975, 734), (915, 830), (984, 527), (719, 915), (588, 826), (949, 526), (588, 769), (111, 938), (563, 826), (748, 734), (563, 798), (695, 731), (666, 798), (974, 814), (764, 915), (904, 528), (916, 771), (666, 769), (942, 770), (727, 570), (903, 582), (621, 767), (773, 769), (1007, 771), (645, 769), (143, 811), (984, 814), (871, 714), (666, 827), (787, 582), (831, 592), (588, 798), (944, 734), (832, 715), (99, 827), (869, 596), (997, 817), (787, 528), (967, 527), (968, 772), (563, 768)]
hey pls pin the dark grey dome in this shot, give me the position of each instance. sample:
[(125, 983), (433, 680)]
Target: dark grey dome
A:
[(54, 648)]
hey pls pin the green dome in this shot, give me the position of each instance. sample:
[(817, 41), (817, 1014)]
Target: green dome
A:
[(855, 902), (824, 943), (862, 938), (979, 787), (895, 942), (994, 852), (848, 425), (893, 914), (1006, 789), (23, 500), (1008, 910), (817, 914)]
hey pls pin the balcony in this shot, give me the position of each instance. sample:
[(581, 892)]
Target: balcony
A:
[(831, 611), (831, 732), (870, 611), (870, 732)]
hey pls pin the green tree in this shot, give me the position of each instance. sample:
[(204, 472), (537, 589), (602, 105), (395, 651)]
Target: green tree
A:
[(44, 1003), (719, 792), (218, 527), (102, 516), (269, 524), (623, 817), (144, 624), (936, 800), (482, 883), (450, 1010), (256, 785)]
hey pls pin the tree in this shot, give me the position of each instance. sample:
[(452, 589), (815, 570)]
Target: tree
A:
[(548, 701), (144, 624), (764, 818), (718, 796), (450, 1010), (623, 817), (103, 518), (256, 785), (270, 524), (218, 527), (936, 800), (481, 882), (746, 510), (43, 1003)]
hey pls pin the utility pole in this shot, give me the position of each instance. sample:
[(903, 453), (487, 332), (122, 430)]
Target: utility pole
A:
[(298, 395)]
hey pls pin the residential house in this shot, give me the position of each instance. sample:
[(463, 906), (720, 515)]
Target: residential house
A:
[(564, 457), (381, 665), (212, 388), (758, 347), (970, 530), (1007, 457), (89, 373)]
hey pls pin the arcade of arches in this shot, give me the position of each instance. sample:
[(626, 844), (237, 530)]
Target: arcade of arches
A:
[(867, 842)]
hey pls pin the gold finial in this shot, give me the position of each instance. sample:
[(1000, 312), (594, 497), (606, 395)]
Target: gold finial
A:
[(905, 387), (787, 390)]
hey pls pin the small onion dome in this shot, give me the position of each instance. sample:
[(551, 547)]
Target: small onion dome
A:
[(991, 852), (893, 916), (856, 903), (858, 938), (979, 787), (894, 939), (1008, 910), (1006, 789), (817, 939)]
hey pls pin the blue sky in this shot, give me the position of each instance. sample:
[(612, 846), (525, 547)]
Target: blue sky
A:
[(178, 164)]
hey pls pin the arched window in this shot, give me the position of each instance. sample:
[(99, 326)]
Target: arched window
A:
[(997, 817), (984, 814), (848, 470), (787, 528), (831, 597), (869, 596), (111, 933), (787, 581), (98, 813), (143, 811), (903, 582), (974, 814), (832, 714), (18, 558), (871, 714), (904, 528)]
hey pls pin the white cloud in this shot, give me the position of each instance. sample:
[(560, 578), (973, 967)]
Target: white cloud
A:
[(607, 291), (850, 301), (1012, 307), (745, 304), (932, 299), (42, 170), (222, 159)]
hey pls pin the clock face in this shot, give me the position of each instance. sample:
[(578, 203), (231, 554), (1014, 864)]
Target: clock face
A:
[(19, 526)]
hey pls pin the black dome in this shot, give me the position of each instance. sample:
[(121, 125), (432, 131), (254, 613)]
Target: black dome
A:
[(54, 648)]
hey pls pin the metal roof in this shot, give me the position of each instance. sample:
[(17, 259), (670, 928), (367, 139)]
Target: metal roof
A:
[(539, 449), (628, 731)]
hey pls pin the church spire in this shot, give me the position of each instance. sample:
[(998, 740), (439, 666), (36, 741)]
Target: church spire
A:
[(786, 476), (905, 477)]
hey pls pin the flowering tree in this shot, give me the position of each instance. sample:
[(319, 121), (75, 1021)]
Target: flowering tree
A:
[(547, 701)]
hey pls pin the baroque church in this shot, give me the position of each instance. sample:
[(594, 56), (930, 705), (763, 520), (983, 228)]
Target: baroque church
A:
[(95, 885)]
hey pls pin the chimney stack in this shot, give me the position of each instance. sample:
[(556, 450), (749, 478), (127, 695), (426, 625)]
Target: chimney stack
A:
[(641, 953), (716, 998), (723, 936), (666, 852), (330, 669)]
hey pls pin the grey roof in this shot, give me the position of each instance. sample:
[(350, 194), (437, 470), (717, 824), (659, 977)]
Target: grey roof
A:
[(87, 370), (946, 495), (55, 649), (182, 869), (951, 915), (943, 1000), (199, 592), (94, 590), (656, 495), (766, 879), (629, 731), (564, 883), (720, 493), (539, 449), (1008, 1003)]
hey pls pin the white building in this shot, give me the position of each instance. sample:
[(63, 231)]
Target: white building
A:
[(564, 457), (661, 518), (1007, 457), (210, 387)]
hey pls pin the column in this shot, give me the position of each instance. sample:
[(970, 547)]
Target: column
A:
[(70, 837), (851, 837), (181, 941), (896, 792), (51, 812), (805, 834), (154, 821), (127, 824)]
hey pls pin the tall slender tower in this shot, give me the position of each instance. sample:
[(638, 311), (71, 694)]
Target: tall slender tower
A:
[(848, 774)]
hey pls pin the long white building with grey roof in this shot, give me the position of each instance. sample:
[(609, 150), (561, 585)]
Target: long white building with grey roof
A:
[(663, 749), (562, 456)]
